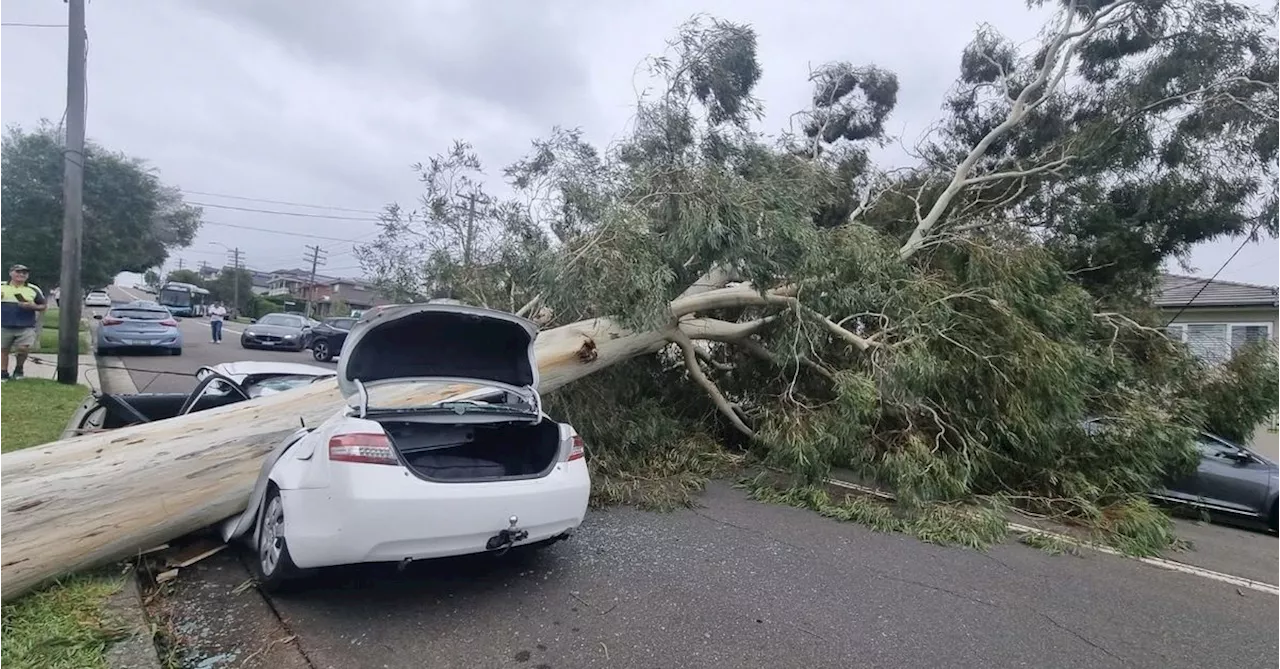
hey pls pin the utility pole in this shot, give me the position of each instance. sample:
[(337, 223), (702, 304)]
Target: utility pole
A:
[(236, 255), (72, 198), (181, 264), (314, 255), (469, 242)]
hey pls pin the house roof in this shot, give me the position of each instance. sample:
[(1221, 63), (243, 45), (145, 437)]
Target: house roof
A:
[(1178, 291)]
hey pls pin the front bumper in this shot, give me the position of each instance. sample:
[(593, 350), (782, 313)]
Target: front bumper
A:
[(269, 341), (378, 513)]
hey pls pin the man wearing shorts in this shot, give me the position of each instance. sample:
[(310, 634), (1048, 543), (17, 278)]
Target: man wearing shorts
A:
[(20, 306)]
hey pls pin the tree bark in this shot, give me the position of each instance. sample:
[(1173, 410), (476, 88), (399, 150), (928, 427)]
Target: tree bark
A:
[(86, 501)]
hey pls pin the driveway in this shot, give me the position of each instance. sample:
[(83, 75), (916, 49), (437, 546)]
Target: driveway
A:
[(162, 374)]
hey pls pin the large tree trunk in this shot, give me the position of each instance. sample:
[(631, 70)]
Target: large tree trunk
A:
[(78, 503)]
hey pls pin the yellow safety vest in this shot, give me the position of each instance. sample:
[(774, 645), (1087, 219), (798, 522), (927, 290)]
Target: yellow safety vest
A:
[(13, 316)]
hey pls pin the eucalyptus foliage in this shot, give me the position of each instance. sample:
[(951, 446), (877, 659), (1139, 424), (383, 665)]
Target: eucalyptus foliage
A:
[(946, 328)]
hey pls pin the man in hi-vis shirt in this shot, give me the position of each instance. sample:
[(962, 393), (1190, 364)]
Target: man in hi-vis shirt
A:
[(20, 305)]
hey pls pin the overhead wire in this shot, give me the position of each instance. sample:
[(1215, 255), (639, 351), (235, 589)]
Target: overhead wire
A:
[(1204, 285)]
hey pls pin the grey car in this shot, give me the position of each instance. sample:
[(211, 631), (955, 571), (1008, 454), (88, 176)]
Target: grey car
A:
[(279, 331), (138, 326), (1230, 480)]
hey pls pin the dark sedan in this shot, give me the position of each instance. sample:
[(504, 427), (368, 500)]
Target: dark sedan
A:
[(327, 338), (277, 331), (1230, 480)]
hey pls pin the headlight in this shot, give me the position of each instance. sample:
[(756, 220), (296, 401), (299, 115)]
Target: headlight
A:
[(290, 336)]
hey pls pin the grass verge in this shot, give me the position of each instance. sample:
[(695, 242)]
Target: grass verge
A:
[(49, 333), (35, 411), (60, 626)]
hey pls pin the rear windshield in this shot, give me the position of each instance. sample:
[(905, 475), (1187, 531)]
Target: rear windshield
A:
[(140, 314), (342, 323)]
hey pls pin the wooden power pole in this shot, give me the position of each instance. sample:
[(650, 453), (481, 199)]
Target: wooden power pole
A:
[(73, 158), (315, 256), (236, 255)]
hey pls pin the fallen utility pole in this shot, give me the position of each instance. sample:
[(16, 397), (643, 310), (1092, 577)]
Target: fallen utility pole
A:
[(73, 158)]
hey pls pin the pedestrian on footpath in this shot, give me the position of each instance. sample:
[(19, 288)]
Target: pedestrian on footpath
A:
[(20, 307), (216, 313)]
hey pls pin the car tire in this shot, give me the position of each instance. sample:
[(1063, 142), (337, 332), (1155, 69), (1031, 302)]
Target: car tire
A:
[(175, 351), (272, 566), (244, 345), (320, 351)]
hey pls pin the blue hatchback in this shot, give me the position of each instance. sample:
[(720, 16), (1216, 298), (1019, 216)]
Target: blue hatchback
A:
[(138, 326)]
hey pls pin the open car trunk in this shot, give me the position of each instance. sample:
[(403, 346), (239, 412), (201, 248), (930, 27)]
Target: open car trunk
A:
[(472, 453)]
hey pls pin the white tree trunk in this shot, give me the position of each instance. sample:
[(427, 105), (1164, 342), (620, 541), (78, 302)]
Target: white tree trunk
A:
[(82, 502)]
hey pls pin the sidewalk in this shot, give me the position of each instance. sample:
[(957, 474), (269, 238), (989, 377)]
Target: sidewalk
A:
[(45, 365)]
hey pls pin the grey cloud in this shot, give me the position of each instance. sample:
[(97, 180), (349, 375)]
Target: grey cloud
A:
[(518, 55)]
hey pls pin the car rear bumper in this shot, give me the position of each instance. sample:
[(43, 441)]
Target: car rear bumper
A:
[(376, 513), (140, 341)]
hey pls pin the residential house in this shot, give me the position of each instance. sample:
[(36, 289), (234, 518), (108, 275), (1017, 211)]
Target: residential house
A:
[(1215, 317), (353, 293), (260, 279), (293, 282)]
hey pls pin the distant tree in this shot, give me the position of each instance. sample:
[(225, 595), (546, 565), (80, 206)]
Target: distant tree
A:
[(131, 219), (186, 276), (151, 279), (223, 288)]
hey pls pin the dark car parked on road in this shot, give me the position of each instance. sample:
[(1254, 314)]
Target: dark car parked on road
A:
[(326, 339), (1230, 480), (278, 331)]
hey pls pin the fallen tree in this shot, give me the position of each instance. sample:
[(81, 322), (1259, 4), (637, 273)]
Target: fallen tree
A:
[(943, 328)]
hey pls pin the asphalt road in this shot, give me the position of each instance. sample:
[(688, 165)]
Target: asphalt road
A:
[(734, 583), (160, 373)]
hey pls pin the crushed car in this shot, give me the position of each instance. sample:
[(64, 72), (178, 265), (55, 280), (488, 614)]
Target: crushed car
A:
[(478, 468), (217, 385)]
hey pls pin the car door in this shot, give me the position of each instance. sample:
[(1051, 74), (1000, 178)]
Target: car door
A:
[(1229, 477)]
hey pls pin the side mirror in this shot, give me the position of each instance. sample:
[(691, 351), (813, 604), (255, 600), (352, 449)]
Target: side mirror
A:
[(252, 321), (1240, 456), (97, 317)]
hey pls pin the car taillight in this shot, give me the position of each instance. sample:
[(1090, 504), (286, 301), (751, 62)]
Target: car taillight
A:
[(108, 320), (369, 448), (577, 449), (169, 322)]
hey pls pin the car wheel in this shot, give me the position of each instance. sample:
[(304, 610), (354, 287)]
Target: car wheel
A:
[(242, 344), (175, 351), (320, 351), (272, 565)]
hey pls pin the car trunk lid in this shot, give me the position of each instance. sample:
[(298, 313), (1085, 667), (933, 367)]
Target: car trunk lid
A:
[(438, 351)]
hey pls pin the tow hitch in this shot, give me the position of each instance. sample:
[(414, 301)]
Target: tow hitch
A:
[(508, 537)]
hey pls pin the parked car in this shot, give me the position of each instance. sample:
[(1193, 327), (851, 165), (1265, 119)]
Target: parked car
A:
[(218, 385), (97, 298), (278, 330), (1231, 480), (475, 466), (138, 326), (326, 339)]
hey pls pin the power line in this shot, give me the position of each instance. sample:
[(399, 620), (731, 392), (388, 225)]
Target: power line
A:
[(34, 25), (284, 202), (284, 213), (1239, 248), (278, 232)]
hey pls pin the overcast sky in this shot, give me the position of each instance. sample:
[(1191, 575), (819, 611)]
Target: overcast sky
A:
[(329, 103)]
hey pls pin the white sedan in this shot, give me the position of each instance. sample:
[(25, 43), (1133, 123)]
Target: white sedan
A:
[(473, 465), (97, 298)]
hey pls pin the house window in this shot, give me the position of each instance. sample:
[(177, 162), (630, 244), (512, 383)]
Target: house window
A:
[(1216, 342)]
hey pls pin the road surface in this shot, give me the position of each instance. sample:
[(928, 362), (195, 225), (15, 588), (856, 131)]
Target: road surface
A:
[(160, 373), (732, 584)]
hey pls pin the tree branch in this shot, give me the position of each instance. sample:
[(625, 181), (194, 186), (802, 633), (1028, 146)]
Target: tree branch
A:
[(700, 377)]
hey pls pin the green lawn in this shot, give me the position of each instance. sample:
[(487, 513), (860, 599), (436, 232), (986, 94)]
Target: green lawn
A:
[(49, 334), (35, 411), (60, 626)]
